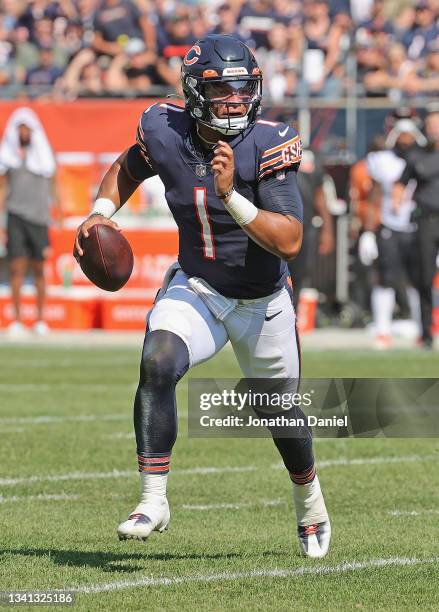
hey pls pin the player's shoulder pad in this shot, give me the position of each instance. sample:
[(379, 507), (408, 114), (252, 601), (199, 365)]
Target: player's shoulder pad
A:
[(156, 119), (279, 147)]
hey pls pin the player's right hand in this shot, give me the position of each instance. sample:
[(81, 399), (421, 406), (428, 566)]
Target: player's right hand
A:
[(83, 229)]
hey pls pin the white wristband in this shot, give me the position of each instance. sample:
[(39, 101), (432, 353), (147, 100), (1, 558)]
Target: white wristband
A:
[(104, 207), (241, 209)]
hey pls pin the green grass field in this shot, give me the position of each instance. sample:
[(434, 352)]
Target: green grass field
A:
[(68, 476)]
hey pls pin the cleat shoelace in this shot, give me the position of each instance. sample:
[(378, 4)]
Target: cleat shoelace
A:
[(133, 517), (310, 530)]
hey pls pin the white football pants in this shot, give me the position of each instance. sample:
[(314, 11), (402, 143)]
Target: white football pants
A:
[(262, 331)]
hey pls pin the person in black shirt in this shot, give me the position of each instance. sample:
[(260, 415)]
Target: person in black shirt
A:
[(115, 22), (310, 179), (423, 166)]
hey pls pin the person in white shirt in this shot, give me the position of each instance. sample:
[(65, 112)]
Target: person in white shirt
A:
[(392, 244)]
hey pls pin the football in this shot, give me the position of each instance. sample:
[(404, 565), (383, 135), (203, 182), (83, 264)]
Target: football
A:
[(108, 259)]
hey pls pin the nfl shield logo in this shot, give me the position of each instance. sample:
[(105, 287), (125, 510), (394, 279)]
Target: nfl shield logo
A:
[(200, 170)]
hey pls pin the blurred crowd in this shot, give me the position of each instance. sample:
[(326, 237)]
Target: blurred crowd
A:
[(70, 48)]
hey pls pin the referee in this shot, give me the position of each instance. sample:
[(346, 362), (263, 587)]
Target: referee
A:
[(423, 166)]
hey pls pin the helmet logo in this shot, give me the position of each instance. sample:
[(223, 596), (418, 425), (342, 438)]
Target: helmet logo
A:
[(188, 61)]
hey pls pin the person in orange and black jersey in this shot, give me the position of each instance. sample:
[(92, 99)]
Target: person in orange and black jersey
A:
[(310, 180), (360, 185)]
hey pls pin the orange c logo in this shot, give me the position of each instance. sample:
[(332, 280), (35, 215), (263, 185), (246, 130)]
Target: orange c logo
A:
[(196, 49)]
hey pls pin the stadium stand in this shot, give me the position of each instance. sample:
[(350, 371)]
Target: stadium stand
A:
[(89, 48)]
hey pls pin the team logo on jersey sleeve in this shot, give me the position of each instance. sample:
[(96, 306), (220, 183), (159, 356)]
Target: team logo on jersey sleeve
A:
[(192, 56)]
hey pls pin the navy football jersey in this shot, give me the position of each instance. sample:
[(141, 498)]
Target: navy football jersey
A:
[(212, 245)]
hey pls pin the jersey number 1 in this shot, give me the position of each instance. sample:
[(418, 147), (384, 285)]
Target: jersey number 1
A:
[(200, 200)]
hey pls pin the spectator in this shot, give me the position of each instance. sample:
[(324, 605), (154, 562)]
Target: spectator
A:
[(403, 22), (340, 7), (73, 40), (395, 77), (279, 68), (86, 10), (6, 69), (43, 37), (84, 76), (46, 73), (426, 82), (361, 10), (321, 70), (286, 10), (116, 21), (371, 56), (176, 40), (228, 22), (257, 17), (378, 21), (36, 10), (133, 70), (424, 32), (11, 10)]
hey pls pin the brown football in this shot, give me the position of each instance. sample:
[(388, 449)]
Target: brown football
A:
[(108, 259)]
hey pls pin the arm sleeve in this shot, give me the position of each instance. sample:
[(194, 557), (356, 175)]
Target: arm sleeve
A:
[(137, 164), (280, 193), (138, 161)]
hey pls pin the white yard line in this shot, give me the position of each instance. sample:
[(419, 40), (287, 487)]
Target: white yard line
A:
[(235, 506), (45, 419), (12, 430), (41, 497), (413, 512), (120, 435), (375, 460), (211, 470), (55, 386), (146, 581)]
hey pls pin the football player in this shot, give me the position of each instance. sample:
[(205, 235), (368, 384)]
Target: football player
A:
[(392, 241), (231, 185)]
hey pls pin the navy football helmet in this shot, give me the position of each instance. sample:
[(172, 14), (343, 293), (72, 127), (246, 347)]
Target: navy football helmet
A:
[(215, 69)]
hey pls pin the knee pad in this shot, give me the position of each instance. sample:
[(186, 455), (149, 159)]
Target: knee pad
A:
[(165, 358)]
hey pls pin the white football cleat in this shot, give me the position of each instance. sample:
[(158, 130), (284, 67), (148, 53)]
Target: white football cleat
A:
[(314, 539), (146, 518), (17, 330), (313, 526), (40, 328)]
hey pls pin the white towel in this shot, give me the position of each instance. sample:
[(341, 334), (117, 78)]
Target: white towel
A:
[(219, 305), (39, 159)]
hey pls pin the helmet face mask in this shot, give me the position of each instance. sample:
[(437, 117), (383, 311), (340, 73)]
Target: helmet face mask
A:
[(222, 84)]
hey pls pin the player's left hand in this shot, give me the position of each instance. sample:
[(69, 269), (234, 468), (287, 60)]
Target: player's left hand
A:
[(223, 167)]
